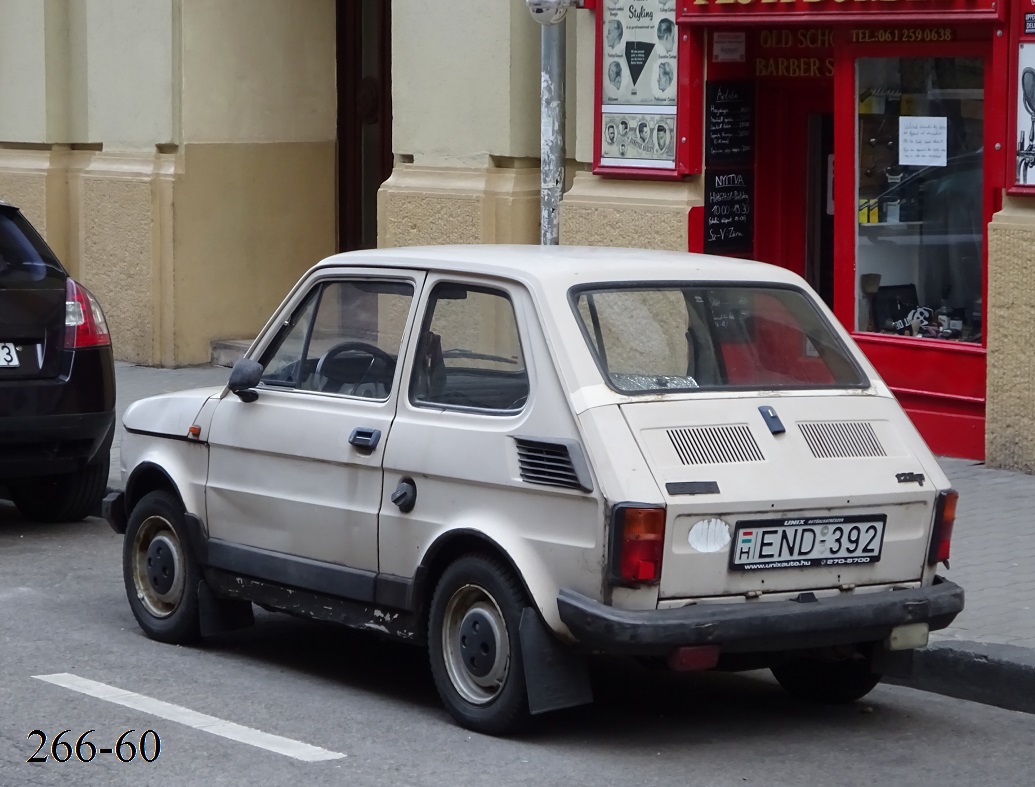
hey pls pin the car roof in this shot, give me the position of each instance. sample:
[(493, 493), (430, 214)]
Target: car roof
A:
[(567, 266)]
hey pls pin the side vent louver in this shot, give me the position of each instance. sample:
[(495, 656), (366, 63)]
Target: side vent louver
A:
[(553, 463), (841, 439), (715, 445)]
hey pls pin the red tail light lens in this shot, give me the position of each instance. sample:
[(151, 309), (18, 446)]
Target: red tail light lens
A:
[(944, 519), (85, 325), (637, 544)]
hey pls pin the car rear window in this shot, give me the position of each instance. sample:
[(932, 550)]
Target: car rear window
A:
[(25, 259), (688, 337)]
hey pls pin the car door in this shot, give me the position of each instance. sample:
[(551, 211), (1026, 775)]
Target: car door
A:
[(484, 435), (295, 476)]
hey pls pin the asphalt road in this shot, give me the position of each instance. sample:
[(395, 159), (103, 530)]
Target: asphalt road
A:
[(63, 611)]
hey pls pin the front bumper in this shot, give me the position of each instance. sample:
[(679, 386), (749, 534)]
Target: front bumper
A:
[(759, 626), (113, 510)]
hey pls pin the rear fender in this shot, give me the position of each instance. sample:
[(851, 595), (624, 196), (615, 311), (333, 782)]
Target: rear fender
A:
[(497, 539)]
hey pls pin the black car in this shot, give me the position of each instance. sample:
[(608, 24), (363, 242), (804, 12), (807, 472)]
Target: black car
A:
[(57, 381)]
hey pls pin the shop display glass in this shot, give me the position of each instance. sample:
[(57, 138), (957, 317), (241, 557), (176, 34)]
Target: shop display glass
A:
[(919, 197)]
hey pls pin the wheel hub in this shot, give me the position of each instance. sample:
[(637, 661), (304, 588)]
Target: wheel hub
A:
[(161, 565), (478, 643), (159, 570)]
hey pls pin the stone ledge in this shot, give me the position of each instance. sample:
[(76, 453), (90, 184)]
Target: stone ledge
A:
[(226, 352), (992, 674)]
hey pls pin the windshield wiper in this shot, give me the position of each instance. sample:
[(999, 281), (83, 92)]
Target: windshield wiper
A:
[(459, 352)]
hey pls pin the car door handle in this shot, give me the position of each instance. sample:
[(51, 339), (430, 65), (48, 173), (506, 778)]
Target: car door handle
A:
[(365, 439)]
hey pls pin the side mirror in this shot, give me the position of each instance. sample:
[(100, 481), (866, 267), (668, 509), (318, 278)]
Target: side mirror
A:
[(245, 375)]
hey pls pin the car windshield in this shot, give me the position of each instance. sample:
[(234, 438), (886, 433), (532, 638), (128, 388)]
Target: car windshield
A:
[(689, 337)]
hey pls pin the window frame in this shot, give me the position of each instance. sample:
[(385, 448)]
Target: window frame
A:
[(316, 289), (427, 306)]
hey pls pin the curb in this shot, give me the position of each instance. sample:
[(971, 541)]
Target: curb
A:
[(992, 674)]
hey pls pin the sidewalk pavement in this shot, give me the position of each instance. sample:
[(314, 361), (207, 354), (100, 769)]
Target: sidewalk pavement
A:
[(987, 655)]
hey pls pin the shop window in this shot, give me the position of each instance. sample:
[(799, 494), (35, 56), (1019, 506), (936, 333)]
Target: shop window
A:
[(919, 260)]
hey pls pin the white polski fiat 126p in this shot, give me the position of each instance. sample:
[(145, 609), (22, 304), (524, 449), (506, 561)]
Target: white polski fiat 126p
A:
[(517, 456)]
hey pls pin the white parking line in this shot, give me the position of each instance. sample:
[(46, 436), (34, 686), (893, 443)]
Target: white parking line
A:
[(199, 721)]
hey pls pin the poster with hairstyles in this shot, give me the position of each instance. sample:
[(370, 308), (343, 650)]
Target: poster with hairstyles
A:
[(640, 52), (1026, 115), (639, 81)]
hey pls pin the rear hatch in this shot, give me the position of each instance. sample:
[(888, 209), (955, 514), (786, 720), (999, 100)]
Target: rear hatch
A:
[(32, 302), (836, 498)]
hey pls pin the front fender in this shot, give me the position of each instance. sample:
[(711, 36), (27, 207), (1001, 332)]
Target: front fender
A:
[(150, 462), (170, 414)]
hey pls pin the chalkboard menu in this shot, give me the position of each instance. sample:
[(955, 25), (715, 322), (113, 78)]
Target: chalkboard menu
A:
[(729, 130), (729, 211)]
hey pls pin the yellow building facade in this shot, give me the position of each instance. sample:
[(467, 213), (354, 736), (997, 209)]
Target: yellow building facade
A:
[(183, 158)]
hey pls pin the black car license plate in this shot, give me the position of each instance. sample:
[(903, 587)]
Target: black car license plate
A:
[(8, 354)]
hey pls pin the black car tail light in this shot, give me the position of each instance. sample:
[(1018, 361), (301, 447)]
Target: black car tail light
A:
[(85, 325)]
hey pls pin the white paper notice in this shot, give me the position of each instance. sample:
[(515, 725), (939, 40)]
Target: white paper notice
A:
[(922, 141)]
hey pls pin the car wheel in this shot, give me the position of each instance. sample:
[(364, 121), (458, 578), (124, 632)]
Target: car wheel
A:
[(160, 571), (62, 498), (832, 682), (474, 647)]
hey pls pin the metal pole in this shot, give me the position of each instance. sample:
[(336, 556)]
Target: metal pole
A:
[(552, 131)]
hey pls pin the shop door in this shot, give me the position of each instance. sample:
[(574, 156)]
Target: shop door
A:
[(364, 117), (794, 166), (912, 241)]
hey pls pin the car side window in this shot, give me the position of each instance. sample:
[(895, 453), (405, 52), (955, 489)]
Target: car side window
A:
[(344, 338), (469, 351)]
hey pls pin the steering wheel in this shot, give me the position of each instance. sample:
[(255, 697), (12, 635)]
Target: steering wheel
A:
[(376, 354)]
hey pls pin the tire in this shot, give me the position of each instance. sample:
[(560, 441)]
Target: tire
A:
[(62, 498), (830, 682), (160, 571), (481, 684)]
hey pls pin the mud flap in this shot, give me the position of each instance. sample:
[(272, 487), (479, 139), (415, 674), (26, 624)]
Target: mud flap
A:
[(220, 615), (556, 676)]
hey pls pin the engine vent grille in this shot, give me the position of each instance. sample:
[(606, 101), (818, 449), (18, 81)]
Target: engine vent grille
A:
[(553, 463), (714, 445), (841, 439)]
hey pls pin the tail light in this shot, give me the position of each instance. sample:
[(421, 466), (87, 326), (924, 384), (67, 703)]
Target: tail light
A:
[(637, 544), (944, 519), (85, 325)]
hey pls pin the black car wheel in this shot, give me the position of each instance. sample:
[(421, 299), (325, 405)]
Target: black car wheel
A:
[(474, 647), (161, 574), (832, 682), (62, 498)]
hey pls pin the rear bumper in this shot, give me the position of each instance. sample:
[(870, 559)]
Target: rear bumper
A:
[(759, 626), (60, 424), (53, 444)]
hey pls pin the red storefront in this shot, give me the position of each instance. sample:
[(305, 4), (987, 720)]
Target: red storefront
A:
[(863, 144)]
